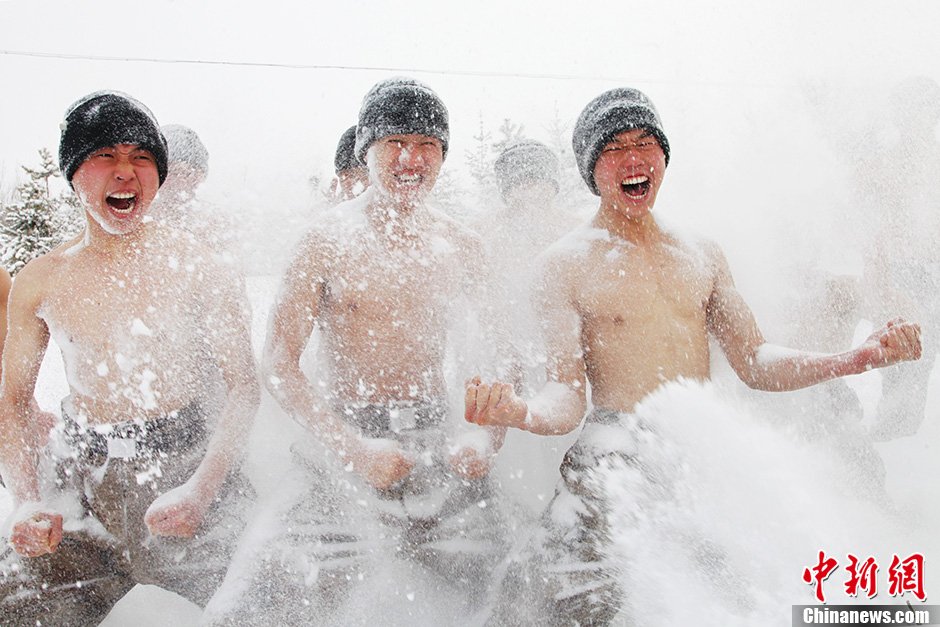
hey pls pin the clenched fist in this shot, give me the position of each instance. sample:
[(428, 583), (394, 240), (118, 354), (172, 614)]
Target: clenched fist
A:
[(37, 535), (382, 465), (494, 405), (897, 341)]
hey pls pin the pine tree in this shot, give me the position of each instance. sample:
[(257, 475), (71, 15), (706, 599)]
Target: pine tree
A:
[(38, 221), (510, 133), (572, 190), (479, 160)]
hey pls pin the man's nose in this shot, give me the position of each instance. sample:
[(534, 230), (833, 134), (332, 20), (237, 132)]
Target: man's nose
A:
[(410, 157), (124, 169)]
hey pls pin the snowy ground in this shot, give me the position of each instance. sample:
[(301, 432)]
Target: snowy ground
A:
[(766, 499)]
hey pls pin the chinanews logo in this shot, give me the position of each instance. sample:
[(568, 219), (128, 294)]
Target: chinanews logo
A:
[(862, 577)]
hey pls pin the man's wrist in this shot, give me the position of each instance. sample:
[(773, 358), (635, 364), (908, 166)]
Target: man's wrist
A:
[(862, 360), (528, 420)]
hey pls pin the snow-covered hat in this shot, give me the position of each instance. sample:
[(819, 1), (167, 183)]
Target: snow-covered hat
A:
[(525, 160), (400, 106), (345, 158), (108, 118), (605, 117), (184, 145)]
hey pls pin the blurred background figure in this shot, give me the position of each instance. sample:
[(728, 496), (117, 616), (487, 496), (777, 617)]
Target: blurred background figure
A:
[(177, 203), (352, 176), (515, 233), (901, 189), (527, 176)]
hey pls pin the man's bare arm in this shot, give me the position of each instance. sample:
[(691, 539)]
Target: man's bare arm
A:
[(36, 530), (292, 322), (767, 367), (27, 339)]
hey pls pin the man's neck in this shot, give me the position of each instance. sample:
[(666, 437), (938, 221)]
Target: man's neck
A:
[(638, 230), (391, 217), (101, 242)]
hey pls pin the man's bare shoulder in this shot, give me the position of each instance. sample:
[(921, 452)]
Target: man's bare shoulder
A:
[(44, 267), (333, 225), (697, 248), (575, 247), (39, 275)]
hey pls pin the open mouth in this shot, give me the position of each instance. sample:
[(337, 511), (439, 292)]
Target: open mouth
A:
[(409, 180), (636, 186), (122, 202)]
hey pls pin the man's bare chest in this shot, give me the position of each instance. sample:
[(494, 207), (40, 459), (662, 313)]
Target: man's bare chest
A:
[(392, 284), (626, 286), (123, 309)]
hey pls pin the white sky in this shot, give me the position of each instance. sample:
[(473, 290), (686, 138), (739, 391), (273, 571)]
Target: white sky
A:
[(730, 79)]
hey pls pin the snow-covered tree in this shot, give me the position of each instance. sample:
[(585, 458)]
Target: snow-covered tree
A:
[(572, 190), (37, 221), (479, 160), (509, 133)]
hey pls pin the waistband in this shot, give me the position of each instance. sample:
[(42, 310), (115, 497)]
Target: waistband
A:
[(601, 416), (607, 431), (614, 418), (177, 432), (377, 419)]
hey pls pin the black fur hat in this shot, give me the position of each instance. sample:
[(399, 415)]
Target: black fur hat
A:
[(400, 106), (345, 158), (108, 118), (605, 117)]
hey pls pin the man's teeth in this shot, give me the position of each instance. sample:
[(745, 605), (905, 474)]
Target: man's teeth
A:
[(122, 202), (409, 178), (635, 180)]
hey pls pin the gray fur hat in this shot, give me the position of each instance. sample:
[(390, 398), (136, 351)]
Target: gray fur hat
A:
[(605, 117), (400, 106), (108, 118), (184, 145), (525, 160)]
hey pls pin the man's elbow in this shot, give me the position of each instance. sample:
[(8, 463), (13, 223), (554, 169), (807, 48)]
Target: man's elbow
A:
[(761, 382)]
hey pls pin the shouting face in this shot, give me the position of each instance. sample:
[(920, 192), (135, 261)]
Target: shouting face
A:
[(116, 185), (629, 171)]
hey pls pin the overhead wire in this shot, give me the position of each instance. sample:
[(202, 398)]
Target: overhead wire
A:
[(376, 68)]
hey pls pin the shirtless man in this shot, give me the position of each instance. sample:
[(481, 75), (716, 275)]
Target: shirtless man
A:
[(137, 483), (628, 305), (380, 275)]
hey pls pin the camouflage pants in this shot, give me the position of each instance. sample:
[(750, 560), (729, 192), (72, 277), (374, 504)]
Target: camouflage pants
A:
[(113, 478), (563, 575), (337, 531)]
